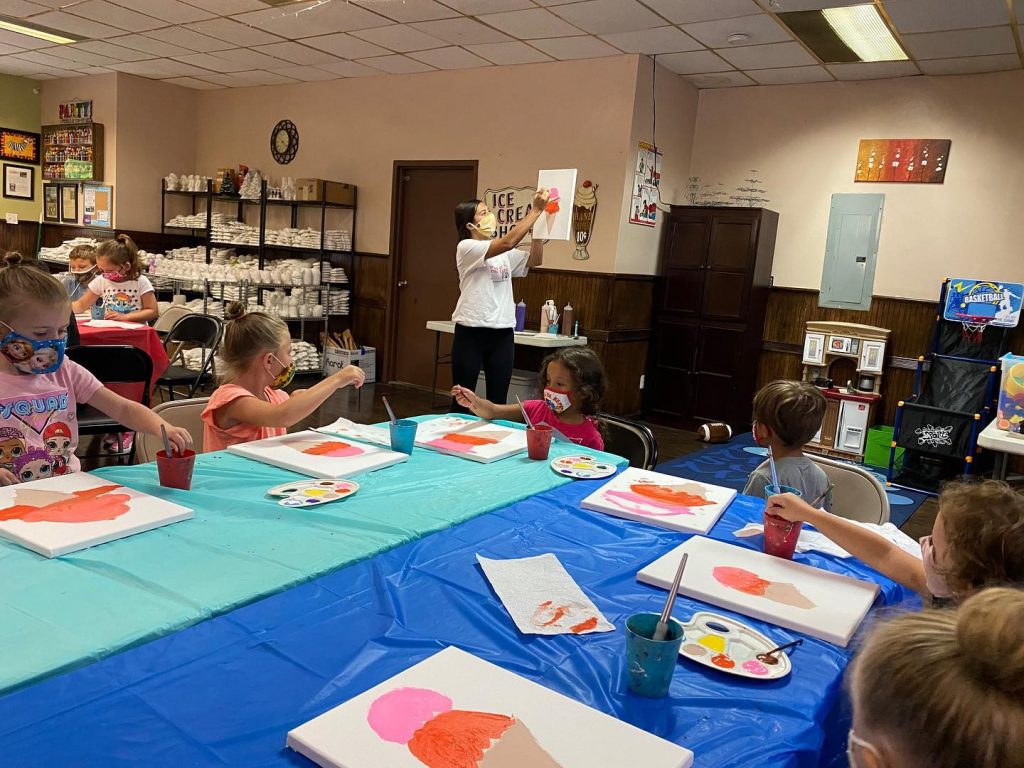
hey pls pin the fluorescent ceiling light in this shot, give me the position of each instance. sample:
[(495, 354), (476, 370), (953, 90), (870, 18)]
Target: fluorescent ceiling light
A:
[(862, 28), (42, 34)]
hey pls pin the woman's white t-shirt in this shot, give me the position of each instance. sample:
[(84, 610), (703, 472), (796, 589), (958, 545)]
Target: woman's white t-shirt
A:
[(485, 285), (122, 297)]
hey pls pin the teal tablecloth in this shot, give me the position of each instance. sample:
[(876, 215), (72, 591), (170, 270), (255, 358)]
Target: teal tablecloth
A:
[(59, 614)]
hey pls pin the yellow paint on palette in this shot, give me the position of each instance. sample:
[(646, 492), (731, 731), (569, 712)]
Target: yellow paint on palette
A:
[(316, 492), (714, 642)]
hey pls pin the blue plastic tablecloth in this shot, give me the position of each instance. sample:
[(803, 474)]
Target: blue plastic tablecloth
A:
[(241, 545), (226, 691)]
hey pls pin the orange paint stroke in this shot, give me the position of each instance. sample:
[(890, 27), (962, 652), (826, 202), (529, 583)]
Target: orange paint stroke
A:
[(741, 580), (585, 626), (334, 449), (473, 440), (557, 611), (458, 739), (668, 495), (89, 506), (552, 207)]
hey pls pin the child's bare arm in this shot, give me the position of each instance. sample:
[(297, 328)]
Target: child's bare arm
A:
[(88, 299), (138, 417), (483, 407), (252, 410)]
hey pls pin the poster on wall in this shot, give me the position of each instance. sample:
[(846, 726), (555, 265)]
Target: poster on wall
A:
[(19, 145), (556, 221), (51, 202), (69, 203), (584, 207), (97, 205), (19, 182), (908, 161), (643, 205), (509, 206)]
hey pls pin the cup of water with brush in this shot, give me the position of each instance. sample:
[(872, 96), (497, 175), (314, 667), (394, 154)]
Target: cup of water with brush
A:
[(175, 469), (652, 645), (403, 431)]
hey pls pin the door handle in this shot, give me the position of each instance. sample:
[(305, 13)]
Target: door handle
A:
[(402, 283)]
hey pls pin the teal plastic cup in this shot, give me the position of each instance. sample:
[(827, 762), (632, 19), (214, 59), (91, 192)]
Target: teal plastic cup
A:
[(403, 436), (650, 663)]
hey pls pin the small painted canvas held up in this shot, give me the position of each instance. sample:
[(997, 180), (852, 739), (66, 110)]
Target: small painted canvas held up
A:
[(556, 221), (454, 710)]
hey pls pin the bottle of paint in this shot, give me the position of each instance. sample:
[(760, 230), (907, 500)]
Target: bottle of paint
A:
[(545, 315), (520, 315), (567, 318)]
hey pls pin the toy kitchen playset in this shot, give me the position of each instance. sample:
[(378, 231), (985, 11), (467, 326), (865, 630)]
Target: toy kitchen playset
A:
[(844, 360)]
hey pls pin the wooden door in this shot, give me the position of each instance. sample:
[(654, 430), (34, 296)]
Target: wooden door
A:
[(427, 281), (684, 255), (672, 375)]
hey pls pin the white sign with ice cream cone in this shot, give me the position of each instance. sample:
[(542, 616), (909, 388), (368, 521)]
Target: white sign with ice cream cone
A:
[(556, 221)]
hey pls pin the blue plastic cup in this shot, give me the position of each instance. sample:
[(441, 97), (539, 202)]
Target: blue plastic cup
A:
[(650, 663), (403, 436), (96, 311)]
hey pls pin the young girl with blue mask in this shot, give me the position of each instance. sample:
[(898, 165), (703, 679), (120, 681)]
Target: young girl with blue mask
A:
[(127, 294), (39, 388), (977, 541)]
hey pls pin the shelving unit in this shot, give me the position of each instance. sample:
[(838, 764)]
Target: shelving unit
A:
[(82, 144)]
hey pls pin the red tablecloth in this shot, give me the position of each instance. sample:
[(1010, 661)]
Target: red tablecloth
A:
[(143, 337)]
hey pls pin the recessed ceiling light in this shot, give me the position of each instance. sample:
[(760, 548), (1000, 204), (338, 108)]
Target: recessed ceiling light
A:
[(41, 33), (864, 30), (739, 37)]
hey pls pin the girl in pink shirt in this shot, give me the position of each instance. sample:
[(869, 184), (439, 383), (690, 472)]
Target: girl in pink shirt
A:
[(40, 390), (256, 363), (572, 382)]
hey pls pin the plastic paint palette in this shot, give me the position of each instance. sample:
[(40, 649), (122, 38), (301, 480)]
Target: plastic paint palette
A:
[(728, 645), (582, 467), (310, 493)]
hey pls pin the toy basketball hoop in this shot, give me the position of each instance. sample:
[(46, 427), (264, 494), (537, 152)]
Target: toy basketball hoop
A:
[(974, 328), (976, 304)]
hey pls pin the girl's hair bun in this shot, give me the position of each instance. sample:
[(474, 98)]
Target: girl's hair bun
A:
[(990, 635), (13, 258), (235, 310)]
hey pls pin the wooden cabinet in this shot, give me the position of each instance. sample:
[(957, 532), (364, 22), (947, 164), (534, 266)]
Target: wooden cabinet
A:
[(714, 273)]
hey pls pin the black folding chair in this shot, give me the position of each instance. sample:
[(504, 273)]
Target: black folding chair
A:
[(631, 440), (122, 366), (191, 331)]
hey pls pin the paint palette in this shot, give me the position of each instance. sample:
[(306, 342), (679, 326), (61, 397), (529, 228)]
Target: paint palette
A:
[(582, 467), (731, 646), (310, 493)]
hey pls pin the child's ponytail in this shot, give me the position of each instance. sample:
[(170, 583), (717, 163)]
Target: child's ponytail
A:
[(23, 280), (247, 336)]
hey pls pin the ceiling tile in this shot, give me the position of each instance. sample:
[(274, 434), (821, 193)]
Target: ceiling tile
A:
[(791, 75), (158, 68), (538, 23), (350, 69), (20, 8), (227, 7), (930, 16), (964, 42), (653, 41), (608, 16), (22, 41), (253, 59), (397, 65), (761, 29), (14, 66), (723, 80), (148, 45), (228, 81), (971, 64), (76, 25), (463, 31), (46, 59), (400, 38), (114, 15), (787, 6), (309, 19), (212, 62), (305, 74), (476, 7), (452, 57), (565, 48), (553, 2), (113, 50), (84, 58), (296, 53), (690, 11), (5, 49), (409, 10), (44, 77), (509, 53), (263, 77), (873, 70), (191, 82), (188, 40), (693, 63), (345, 46), (171, 11), (232, 31), (767, 56), (51, 3), (95, 70)]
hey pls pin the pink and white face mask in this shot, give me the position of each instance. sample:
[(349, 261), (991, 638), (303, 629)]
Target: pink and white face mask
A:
[(934, 580)]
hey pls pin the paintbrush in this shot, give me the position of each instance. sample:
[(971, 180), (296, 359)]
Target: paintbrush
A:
[(775, 474), (391, 414), (821, 498), (167, 442), (769, 657), (525, 417), (661, 630)]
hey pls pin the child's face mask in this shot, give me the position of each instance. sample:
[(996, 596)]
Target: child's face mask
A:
[(284, 378), (557, 401), (932, 577), (32, 355)]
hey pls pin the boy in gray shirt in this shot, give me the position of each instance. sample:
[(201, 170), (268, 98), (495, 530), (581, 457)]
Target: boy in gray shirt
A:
[(787, 414)]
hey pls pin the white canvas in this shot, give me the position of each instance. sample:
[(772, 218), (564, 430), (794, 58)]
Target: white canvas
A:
[(792, 595), (529, 726), (364, 433), (64, 514), (317, 455), (556, 221), (662, 500)]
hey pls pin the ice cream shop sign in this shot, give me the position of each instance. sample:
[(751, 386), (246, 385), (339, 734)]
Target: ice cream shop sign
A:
[(509, 205)]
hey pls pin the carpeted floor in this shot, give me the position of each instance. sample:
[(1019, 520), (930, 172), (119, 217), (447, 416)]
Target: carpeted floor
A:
[(728, 464)]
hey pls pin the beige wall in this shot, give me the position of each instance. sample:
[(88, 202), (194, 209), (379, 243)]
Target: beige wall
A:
[(676, 119), (803, 140), (19, 110), (514, 120)]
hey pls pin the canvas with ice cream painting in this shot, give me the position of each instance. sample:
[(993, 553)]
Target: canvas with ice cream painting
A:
[(318, 455), (64, 514), (454, 710), (792, 595), (662, 500), (473, 439), (556, 221)]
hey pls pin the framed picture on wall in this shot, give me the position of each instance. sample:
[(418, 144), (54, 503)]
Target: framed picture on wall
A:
[(19, 182), (98, 205), (19, 145), (69, 203), (51, 202)]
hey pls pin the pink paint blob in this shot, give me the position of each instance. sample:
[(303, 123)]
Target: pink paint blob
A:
[(398, 714), (755, 667), (553, 194)]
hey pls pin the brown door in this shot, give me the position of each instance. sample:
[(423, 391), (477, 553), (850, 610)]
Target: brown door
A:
[(427, 282)]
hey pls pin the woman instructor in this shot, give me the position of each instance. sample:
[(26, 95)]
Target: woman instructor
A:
[(485, 314)]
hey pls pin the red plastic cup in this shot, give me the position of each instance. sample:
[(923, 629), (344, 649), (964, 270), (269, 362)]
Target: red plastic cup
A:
[(176, 471), (780, 535), (538, 442)]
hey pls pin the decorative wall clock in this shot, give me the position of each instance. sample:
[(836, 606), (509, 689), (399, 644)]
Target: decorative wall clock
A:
[(284, 141)]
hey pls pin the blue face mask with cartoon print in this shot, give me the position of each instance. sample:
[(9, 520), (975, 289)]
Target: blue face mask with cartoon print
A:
[(32, 355)]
